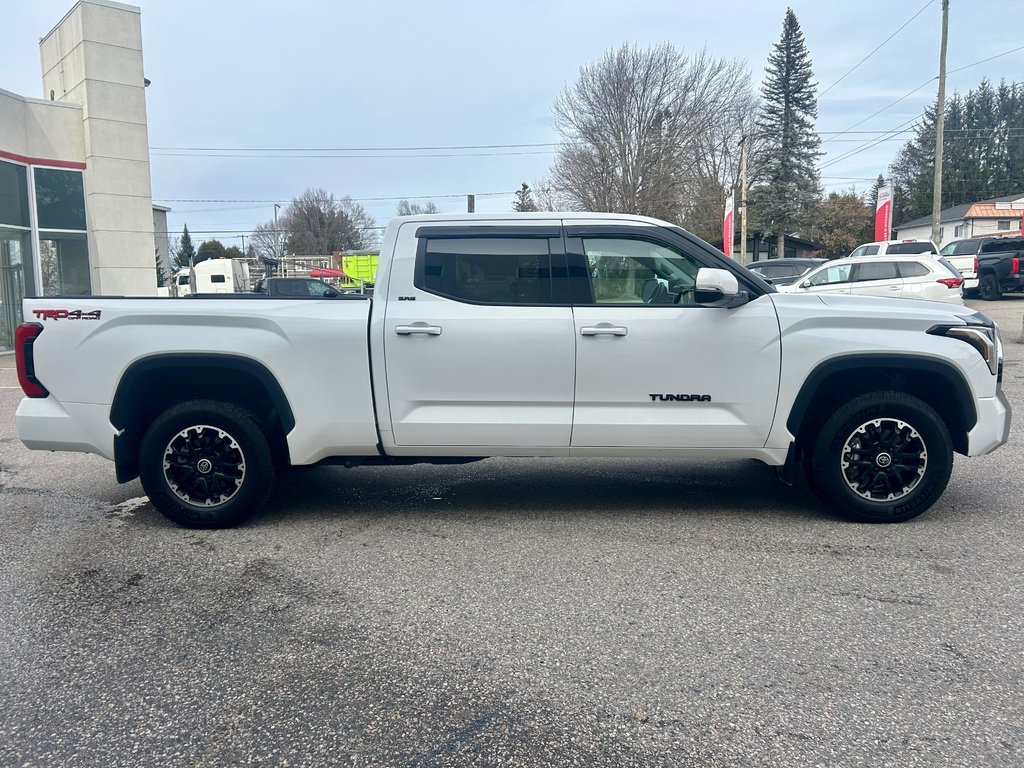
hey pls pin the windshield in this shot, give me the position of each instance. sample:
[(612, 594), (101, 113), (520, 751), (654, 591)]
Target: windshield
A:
[(910, 248)]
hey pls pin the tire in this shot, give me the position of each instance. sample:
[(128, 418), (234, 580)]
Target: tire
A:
[(881, 490), (988, 288), (206, 464)]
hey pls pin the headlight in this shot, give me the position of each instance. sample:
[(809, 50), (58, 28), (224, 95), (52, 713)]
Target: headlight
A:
[(983, 337)]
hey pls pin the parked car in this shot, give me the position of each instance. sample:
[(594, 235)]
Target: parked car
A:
[(296, 287), (962, 255), (783, 271), (912, 277), (894, 248), (998, 265), (533, 334)]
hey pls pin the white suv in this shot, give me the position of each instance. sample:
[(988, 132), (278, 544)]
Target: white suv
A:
[(907, 277), (895, 248)]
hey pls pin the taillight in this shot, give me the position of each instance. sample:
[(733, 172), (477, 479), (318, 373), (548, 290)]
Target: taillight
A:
[(1014, 265), (951, 282), (24, 337), (975, 265)]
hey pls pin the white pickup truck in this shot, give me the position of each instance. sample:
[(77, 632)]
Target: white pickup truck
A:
[(541, 334)]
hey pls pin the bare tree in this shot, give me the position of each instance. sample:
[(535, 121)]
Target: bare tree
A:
[(637, 125), (317, 223), (405, 208), (265, 240)]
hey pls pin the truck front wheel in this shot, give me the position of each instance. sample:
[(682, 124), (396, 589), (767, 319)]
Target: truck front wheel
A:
[(884, 457), (206, 464)]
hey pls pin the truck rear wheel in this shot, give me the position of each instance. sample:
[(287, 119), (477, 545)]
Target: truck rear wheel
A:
[(206, 464), (884, 457), (988, 287)]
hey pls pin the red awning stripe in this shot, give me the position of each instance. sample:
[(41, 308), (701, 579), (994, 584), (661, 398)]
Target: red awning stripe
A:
[(42, 161)]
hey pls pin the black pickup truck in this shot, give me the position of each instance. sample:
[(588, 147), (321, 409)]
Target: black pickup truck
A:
[(998, 266)]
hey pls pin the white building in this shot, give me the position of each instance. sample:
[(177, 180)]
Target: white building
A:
[(1000, 216), (76, 209)]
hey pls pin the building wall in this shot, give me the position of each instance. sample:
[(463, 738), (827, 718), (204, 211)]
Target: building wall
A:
[(93, 58)]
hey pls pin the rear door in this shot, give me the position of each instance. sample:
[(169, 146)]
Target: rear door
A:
[(877, 278), (479, 342), (654, 369)]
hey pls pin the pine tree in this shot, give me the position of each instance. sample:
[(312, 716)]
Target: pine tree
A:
[(186, 251), (524, 199), (787, 164), (982, 153), (161, 275)]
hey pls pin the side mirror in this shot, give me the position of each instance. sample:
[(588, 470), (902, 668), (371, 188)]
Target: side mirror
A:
[(805, 284), (717, 288), (330, 293)]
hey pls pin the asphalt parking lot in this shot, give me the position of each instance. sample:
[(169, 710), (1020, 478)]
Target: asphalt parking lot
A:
[(512, 612)]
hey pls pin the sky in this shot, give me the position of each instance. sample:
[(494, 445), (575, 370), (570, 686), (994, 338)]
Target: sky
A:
[(315, 74)]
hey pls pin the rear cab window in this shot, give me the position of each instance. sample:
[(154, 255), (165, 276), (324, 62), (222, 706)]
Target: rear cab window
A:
[(909, 249), (502, 270)]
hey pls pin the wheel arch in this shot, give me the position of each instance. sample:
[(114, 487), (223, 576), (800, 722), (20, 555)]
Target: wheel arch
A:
[(936, 382), (153, 384)]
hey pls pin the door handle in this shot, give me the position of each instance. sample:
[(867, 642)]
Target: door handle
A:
[(894, 287), (605, 329), (429, 330)]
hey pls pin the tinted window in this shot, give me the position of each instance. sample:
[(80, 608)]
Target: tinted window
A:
[(316, 288), (13, 195), (182, 279), (997, 245), (860, 251), (60, 199), (870, 250), (494, 270), (625, 271), (897, 249), (838, 273), (881, 270), (217, 279), (913, 269), (290, 288), (966, 248)]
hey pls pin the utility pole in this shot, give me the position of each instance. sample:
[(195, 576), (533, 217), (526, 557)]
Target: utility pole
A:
[(743, 200), (940, 122), (470, 203), (277, 235)]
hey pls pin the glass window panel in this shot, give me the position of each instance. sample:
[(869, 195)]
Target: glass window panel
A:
[(879, 270), (60, 199), (624, 271), (13, 195), (498, 270), (65, 265), (17, 281)]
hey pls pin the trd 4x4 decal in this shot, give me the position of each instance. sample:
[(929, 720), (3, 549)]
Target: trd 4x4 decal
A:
[(64, 314)]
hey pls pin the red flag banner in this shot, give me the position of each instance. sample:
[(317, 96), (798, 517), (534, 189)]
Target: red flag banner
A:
[(883, 214), (727, 226)]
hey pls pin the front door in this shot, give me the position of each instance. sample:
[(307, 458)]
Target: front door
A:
[(478, 340), (653, 368)]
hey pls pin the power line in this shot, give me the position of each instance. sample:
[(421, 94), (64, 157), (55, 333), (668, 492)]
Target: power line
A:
[(357, 149), (347, 157), (982, 61), (890, 37)]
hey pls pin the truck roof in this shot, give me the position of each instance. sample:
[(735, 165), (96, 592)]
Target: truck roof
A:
[(532, 216)]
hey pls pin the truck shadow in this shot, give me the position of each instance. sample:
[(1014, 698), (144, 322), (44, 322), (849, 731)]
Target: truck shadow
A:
[(543, 487)]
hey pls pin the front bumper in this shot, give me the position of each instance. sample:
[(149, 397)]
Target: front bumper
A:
[(993, 427)]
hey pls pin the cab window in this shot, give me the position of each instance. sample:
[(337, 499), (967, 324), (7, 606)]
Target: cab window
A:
[(627, 271)]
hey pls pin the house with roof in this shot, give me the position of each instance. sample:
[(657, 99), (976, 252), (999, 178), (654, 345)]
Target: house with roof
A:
[(996, 217)]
